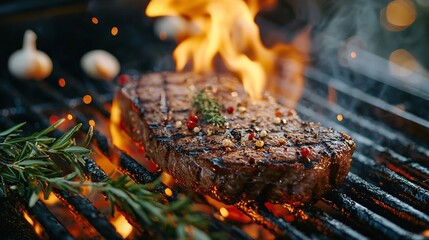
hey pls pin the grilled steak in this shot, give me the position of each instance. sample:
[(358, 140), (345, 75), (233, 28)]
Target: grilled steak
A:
[(264, 151)]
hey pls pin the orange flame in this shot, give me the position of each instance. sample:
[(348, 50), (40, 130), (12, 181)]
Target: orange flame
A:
[(37, 227), (51, 200), (226, 29), (122, 226)]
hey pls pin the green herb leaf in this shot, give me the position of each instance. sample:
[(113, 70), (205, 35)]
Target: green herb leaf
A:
[(12, 129), (65, 140), (88, 137), (50, 128), (209, 108)]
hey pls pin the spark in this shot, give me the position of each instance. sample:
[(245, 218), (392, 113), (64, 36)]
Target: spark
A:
[(114, 31), (62, 82), (94, 20), (87, 99)]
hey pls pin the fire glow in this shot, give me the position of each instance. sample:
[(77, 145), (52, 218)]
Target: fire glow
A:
[(226, 29), (37, 227)]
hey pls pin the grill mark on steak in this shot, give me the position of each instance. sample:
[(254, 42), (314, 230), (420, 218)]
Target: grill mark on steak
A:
[(164, 101), (277, 172)]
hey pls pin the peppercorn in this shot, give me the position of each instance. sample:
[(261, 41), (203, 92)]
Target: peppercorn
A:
[(191, 124), (259, 143), (305, 152), (227, 143), (251, 136), (278, 113), (178, 124), (193, 118)]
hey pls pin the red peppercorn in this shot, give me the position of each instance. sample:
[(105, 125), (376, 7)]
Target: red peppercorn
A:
[(191, 124), (305, 152), (278, 113), (193, 118), (251, 136), (229, 109)]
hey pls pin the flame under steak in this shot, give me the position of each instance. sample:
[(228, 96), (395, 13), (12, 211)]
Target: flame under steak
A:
[(277, 172)]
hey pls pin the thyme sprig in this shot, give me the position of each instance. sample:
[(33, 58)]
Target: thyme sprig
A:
[(209, 108), (29, 165)]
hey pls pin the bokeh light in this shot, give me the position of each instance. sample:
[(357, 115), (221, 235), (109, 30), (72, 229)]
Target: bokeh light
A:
[(398, 15), (402, 63)]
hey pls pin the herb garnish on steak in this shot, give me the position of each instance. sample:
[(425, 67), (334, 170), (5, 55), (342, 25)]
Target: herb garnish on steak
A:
[(263, 150)]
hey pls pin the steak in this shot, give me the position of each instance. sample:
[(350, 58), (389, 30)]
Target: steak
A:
[(263, 152)]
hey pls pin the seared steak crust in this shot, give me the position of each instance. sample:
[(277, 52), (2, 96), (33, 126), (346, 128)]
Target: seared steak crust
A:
[(277, 172)]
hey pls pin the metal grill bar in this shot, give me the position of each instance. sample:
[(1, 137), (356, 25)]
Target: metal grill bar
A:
[(84, 207), (260, 214), (345, 204), (392, 182), (373, 196), (327, 224), (50, 224), (96, 174)]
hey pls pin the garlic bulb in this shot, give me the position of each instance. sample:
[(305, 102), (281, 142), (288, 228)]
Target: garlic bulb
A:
[(100, 64), (28, 62)]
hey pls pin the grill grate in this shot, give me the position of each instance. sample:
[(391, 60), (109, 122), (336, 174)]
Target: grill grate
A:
[(386, 193)]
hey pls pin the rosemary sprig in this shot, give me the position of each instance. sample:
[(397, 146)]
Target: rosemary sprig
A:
[(209, 108), (28, 165)]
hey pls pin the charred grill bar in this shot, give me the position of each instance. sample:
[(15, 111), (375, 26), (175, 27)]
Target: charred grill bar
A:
[(385, 195)]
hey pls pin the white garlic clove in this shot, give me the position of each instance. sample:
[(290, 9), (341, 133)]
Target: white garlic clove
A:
[(175, 28), (28, 62), (100, 64)]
